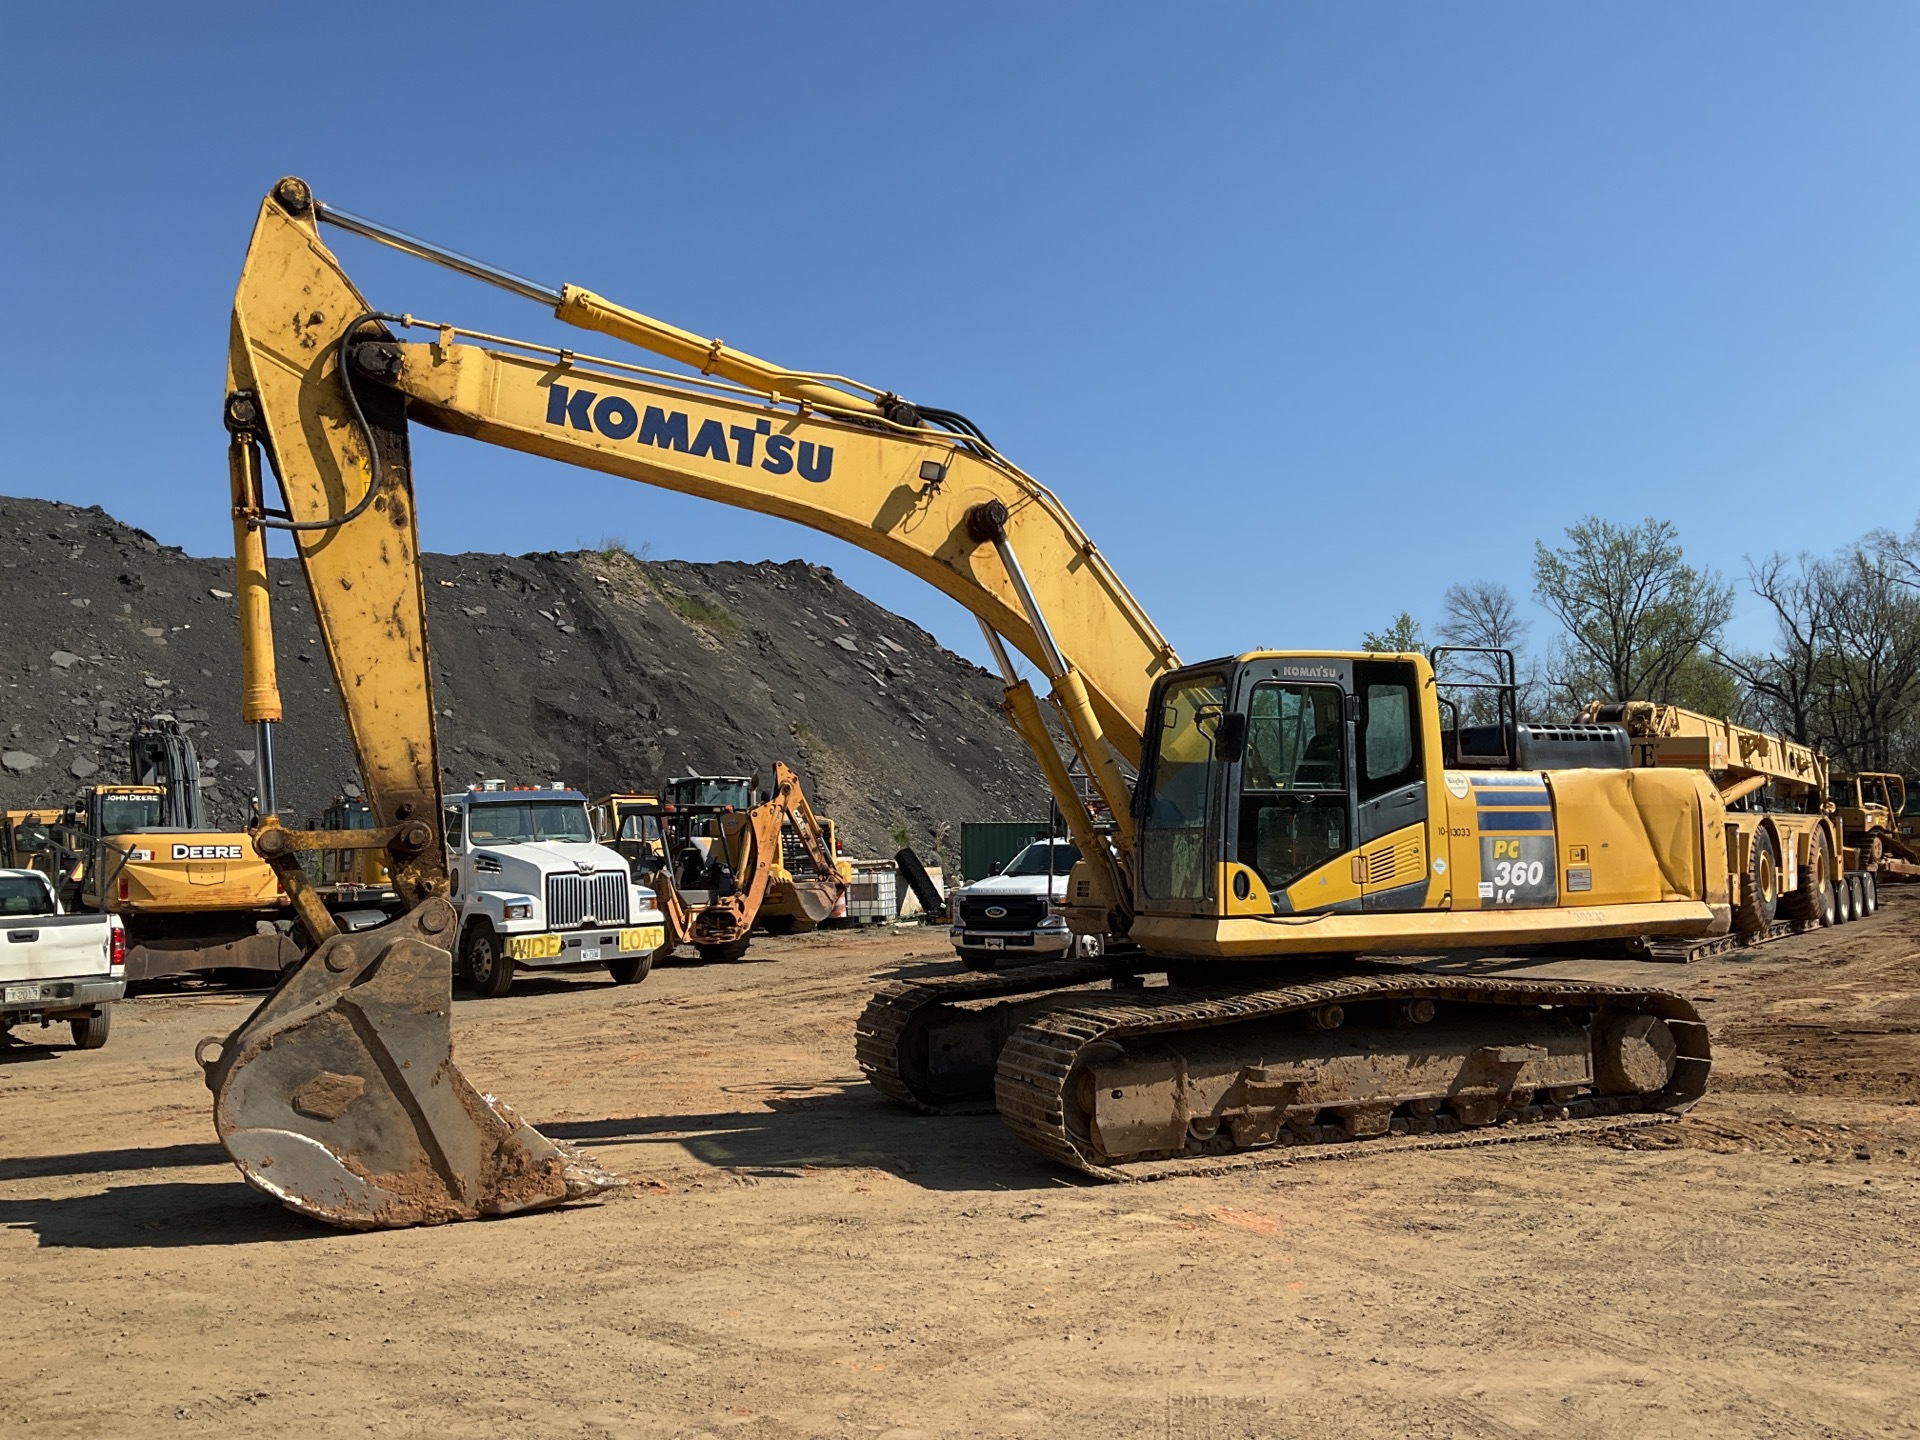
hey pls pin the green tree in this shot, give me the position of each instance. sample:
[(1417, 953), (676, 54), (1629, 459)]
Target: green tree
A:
[(1639, 621), (1401, 636)]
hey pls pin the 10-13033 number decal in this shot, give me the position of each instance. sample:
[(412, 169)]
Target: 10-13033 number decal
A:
[(1516, 871)]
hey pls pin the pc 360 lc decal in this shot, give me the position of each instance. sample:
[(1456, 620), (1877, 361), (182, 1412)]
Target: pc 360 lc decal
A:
[(617, 418)]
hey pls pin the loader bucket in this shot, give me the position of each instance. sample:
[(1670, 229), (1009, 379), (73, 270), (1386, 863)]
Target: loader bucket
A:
[(339, 1096)]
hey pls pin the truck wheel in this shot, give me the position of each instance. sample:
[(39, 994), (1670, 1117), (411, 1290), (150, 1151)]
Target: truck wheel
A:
[(489, 970), (984, 961), (718, 954), (90, 1032), (1760, 888), (631, 969)]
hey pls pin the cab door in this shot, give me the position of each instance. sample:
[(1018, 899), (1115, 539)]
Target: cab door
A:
[(459, 863), (1389, 786)]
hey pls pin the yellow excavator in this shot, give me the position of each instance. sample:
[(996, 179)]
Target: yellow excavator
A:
[(1294, 812), (193, 897)]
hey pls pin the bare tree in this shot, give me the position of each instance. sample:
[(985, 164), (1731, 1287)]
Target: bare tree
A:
[(1637, 616), (1484, 613), (1869, 678), (1785, 685)]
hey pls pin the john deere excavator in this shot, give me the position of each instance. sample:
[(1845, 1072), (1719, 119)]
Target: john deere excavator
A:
[(193, 897), (1294, 811)]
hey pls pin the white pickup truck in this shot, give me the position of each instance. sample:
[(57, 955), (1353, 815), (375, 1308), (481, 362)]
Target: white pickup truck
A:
[(1013, 917), (535, 891), (55, 966)]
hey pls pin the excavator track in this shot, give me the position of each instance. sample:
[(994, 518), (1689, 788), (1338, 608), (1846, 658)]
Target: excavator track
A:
[(885, 1039), (1058, 1064)]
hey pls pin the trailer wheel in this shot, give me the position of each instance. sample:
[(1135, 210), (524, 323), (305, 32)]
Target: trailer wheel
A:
[(1845, 901), (1870, 890), (489, 970), (1760, 888), (90, 1032)]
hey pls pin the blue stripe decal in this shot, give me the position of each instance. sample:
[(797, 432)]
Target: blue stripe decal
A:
[(1496, 821), (1485, 782), (1521, 798)]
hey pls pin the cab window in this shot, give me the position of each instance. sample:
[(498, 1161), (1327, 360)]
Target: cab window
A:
[(1389, 727), (456, 831)]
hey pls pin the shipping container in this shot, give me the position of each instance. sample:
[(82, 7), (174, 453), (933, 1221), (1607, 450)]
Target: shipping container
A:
[(986, 845)]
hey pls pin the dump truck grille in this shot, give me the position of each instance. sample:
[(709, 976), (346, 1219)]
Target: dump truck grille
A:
[(1017, 912), (571, 898)]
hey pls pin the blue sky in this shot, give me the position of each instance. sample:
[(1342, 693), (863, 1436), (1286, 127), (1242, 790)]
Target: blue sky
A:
[(1306, 311)]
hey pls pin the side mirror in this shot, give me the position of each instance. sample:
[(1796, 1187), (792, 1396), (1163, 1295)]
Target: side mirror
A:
[(1230, 739)]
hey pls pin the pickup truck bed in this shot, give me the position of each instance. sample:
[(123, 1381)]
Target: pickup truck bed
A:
[(57, 967)]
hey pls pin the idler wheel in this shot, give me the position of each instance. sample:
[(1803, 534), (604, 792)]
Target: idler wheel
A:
[(1632, 1053)]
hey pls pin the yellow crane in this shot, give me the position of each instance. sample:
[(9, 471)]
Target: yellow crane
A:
[(1294, 811)]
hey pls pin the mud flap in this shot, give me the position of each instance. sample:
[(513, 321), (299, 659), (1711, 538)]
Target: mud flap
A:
[(339, 1096)]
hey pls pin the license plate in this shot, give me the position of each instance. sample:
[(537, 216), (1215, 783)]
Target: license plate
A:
[(993, 944), (23, 994), (589, 952)]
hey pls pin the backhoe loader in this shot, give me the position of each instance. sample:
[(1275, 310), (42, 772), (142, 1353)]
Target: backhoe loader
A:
[(1295, 812), (721, 854)]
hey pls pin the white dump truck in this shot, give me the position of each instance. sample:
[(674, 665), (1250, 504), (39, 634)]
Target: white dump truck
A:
[(536, 892), (55, 966)]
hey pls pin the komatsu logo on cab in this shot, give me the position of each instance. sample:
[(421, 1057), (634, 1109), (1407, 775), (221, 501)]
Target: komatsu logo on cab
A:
[(617, 418), (206, 852)]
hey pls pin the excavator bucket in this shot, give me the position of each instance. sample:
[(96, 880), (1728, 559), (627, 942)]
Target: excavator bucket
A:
[(339, 1096)]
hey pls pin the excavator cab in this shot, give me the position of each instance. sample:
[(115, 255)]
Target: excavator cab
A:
[(1263, 774)]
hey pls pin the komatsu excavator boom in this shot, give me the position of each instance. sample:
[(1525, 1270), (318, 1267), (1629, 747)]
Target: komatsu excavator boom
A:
[(1292, 809)]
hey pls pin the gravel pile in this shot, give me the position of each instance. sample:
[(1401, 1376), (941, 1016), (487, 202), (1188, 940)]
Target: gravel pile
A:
[(593, 668)]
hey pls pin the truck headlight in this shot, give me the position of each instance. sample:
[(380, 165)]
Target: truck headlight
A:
[(518, 910)]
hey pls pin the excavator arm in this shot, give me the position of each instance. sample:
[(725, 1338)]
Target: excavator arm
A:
[(339, 1095)]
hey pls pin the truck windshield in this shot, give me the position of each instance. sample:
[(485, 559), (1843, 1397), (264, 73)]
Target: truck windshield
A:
[(1033, 859), (505, 822), (638, 825), (713, 791), (123, 814), (24, 895)]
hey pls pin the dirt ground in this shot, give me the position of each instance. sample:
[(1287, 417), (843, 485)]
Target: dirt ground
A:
[(796, 1257)]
